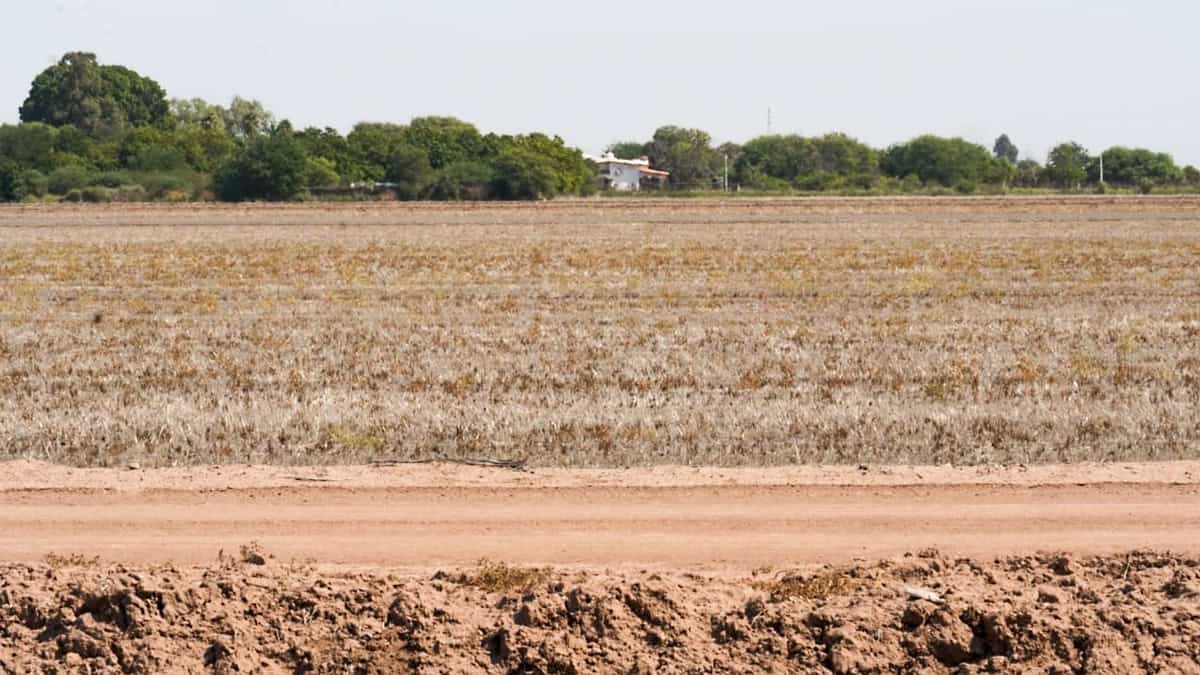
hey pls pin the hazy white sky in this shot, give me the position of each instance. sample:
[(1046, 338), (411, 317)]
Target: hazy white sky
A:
[(1100, 72)]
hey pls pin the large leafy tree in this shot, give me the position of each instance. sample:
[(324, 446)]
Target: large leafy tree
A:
[(832, 160), (951, 162), (409, 170), (1067, 165), (330, 145), (100, 100), (537, 166), (446, 140), (372, 145), (628, 150), (269, 167), (248, 118), (687, 153), (196, 112), (1004, 149), (1135, 166)]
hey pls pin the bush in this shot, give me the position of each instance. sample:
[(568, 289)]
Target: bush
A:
[(966, 187), (1145, 186), (9, 176), (67, 178), (96, 194), (130, 193), (111, 179), (463, 180), (31, 183), (159, 185), (268, 167)]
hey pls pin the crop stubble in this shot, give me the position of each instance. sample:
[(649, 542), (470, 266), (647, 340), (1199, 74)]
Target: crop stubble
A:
[(603, 333)]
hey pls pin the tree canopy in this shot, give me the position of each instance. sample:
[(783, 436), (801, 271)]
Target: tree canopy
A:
[(97, 99), (105, 131), (949, 162)]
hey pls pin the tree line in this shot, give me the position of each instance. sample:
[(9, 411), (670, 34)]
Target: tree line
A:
[(928, 164), (95, 132)]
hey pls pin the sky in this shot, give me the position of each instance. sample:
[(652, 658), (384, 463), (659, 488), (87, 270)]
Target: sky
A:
[(1098, 72)]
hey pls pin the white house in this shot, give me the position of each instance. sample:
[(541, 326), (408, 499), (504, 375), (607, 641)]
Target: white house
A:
[(626, 174)]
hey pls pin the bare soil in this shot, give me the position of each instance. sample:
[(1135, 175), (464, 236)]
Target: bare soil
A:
[(673, 569), (1119, 614), (719, 520)]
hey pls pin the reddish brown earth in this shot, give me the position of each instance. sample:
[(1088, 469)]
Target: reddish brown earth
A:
[(1092, 568)]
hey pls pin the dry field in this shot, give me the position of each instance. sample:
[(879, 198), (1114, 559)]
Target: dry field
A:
[(600, 334)]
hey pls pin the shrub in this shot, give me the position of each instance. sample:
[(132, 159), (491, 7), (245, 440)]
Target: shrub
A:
[(1145, 186), (67, 178), (130, 193), (268, 167), (111, 179), (31, 183), (96, 194), (159, 185)]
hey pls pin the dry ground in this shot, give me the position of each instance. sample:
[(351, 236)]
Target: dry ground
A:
[(599, 334), (666, 570), (743, 336), (1115, 615)]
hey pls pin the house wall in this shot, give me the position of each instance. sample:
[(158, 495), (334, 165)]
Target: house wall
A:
[(624, 178)]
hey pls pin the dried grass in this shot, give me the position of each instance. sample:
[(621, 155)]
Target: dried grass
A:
[(603, 334)]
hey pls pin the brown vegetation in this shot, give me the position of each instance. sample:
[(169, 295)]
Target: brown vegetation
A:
[(603, 333)]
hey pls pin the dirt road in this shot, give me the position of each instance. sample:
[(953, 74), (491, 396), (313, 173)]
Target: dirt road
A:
[(423, 517)]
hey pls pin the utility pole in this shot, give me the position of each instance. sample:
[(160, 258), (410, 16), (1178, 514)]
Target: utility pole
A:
[(768, 120), (1102, 168), (725, 185)]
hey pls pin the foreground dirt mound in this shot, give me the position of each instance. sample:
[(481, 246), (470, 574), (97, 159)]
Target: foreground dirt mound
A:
[(922, 613)]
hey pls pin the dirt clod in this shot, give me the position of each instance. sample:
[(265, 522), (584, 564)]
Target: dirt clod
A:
[(1140, 615)]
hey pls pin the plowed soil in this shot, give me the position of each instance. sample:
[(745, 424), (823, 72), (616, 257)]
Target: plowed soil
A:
[(389, 569)]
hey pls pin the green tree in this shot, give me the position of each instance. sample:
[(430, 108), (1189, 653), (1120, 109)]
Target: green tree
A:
[(409, 169), (686, 153), (1191, 175), (100, 100), (1004, 149), (246, 118), (446, 140), (1131, 167), (331, 145), (31, 183), (469, 179), (628, 150), (950, 162), (320, 172), (1067, 165), (825, 162), (196, 112), (569, 172), (9, 174), (373, 145), (267, 167), (522, 173), (1029, 174), (33, 145)]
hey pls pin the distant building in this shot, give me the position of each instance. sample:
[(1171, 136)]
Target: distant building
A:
[(627, 175)]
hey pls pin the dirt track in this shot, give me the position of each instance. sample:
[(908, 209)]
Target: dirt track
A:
[(422, 517)]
